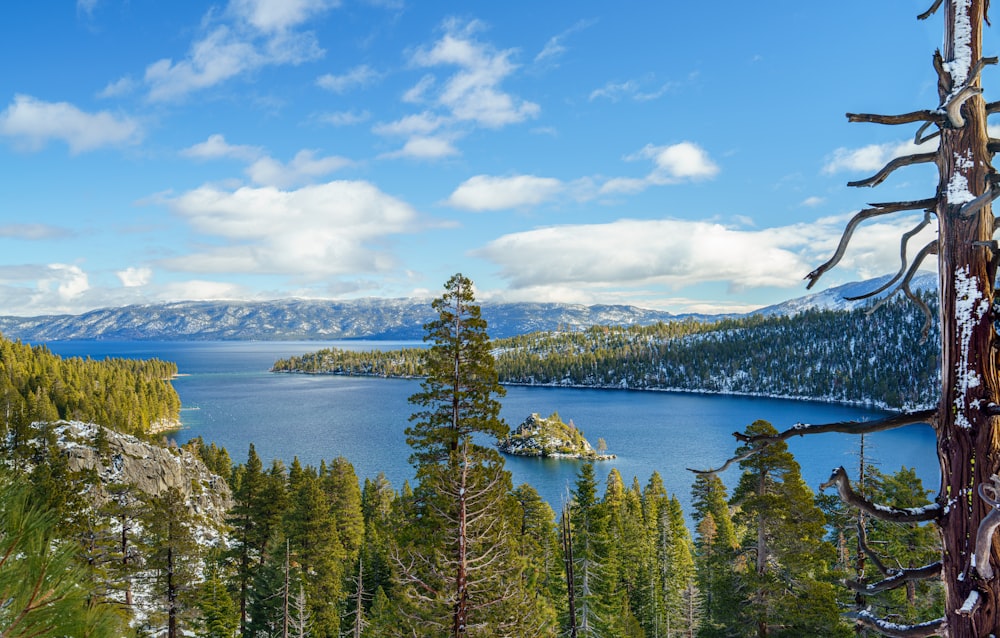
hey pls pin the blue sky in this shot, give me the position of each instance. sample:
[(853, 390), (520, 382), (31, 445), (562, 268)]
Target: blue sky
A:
[(676, 155)]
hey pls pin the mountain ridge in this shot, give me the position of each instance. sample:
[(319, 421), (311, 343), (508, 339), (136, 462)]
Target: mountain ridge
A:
[(296, 319)]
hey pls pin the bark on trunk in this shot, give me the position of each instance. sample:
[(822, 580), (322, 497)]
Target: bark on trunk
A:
[(967, 435)]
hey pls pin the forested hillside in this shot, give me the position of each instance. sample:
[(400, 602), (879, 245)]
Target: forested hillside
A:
[(848, 356), (126, 395)]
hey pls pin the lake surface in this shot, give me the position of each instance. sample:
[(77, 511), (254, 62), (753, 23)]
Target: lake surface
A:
[(229, 397)]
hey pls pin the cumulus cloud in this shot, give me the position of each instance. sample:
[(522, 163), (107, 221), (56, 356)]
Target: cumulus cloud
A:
[(470, 95), (118, 88), (133, 277), (314, 232), (483, 192), (32, 123), (676, 163), (216, 147), (279, 15), (673, 254), (358, 77), (425, 148), (304, 167)]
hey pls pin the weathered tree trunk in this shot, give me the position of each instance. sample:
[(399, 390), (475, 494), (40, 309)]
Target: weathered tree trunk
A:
[(966, 432)]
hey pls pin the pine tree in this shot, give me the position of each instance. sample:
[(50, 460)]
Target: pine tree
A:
[(715, 557), (588, 527), (173, 554), (786, 582), (457, 564)]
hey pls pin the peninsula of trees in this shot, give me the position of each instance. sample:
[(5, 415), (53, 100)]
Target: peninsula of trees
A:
[(852, 356)]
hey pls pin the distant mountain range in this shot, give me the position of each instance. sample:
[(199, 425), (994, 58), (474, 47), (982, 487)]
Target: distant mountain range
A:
[(384, 319)]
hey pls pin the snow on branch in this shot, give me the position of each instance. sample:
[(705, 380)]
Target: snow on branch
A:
[(971, 208), (898, 578), (840, 480), (927, 629), (867, 213), (899, 162)]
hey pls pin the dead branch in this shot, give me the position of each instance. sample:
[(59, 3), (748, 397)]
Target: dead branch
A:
[(895, 630), (867, 213), (902, 259), (898, 578), (930, 249), (992, 107), (869, 552), (930, 12), (925, 115), (845, 427), (944, 78), (847, 494), (725, 466), (899, 162), (987, 527), (971, 208)]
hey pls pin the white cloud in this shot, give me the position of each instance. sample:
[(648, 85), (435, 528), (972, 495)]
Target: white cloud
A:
[(473, 93), (672, 164), (304, 167), (279, 15), (345, 118), (416, 93), (68, 281), (424, 148), (261, 33), (812, 201), (674, 254), (133, 277), (359, 76), (554, 47), (216, 147), (872, 157), (317, 231), (483, 192), (33, 123)]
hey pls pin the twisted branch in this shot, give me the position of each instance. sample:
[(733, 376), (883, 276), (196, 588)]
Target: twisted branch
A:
[(930, 12), (847, 494), (930, 249), (902, 259), (899, 162), (987, 527), (725, 466), (867, 213)]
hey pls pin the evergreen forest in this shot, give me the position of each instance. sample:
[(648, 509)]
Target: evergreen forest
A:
[(318, 551)]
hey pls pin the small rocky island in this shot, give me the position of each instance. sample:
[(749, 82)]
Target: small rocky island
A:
[(550, 437)]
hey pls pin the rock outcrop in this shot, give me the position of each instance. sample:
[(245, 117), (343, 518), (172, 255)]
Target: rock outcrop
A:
[(550, 437), (148, 468)]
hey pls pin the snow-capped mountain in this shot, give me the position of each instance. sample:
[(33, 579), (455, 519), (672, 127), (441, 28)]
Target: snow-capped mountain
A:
[(837, 298), (298, 319)]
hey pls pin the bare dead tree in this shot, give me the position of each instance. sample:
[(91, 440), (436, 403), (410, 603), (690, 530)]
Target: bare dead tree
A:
[(966, 419)]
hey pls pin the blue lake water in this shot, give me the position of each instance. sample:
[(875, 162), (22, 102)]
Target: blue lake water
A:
[(228, 396)]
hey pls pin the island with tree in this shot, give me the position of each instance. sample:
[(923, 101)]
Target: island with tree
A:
[(550, 437)]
